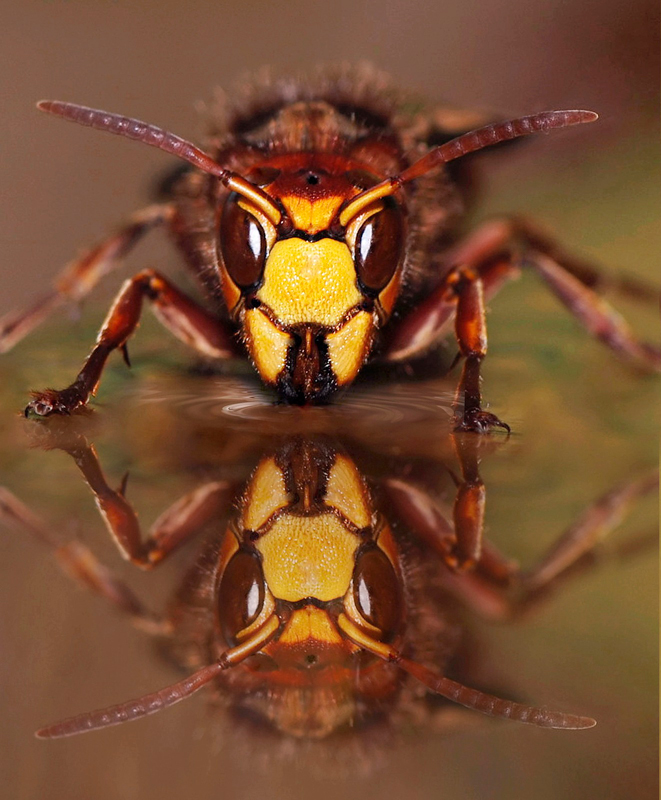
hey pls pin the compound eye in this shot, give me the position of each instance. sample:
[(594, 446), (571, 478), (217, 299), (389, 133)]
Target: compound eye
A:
[(377, 592), (242, 244), (240, 594), (379, 248)]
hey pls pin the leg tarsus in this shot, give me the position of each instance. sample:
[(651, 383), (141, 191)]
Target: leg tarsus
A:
[(471, 333), (52, 401)]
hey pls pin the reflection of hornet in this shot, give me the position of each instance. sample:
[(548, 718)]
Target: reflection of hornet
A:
[(310, 606), (324, 223)]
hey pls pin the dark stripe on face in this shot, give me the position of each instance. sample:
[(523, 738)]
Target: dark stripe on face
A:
[(308, 376)]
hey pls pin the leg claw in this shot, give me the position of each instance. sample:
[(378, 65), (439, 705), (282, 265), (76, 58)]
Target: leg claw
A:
[(478, 421), (50, 401)]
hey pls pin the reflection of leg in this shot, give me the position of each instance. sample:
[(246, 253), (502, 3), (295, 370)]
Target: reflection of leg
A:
[(80, 564), (421, 515), (482, 577), (587, 532), (188, 321), (81, 276), (460, 543), (179, 522), (572, 553)]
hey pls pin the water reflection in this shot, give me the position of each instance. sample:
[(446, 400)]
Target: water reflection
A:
[(338, 574)]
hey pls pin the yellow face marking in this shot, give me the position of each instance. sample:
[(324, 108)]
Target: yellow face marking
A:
[(349, 347), (266, 495), (309, 623), (387, 544), (231, 292), (228, 547), (347, 493), (267, 344), (312, 216), (311, 282), (390, 292), (358, 221), (308, 557), (270, 232)]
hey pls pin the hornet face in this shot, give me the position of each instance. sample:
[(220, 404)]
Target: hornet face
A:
[(310, 291)]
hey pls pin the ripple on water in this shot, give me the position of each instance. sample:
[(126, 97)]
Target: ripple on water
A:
[(229, 400)]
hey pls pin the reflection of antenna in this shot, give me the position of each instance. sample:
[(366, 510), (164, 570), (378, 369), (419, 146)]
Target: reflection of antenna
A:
[(151, 703), (465, 696)]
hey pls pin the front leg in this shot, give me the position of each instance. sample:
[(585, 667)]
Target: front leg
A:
[(460, 299), (183, 317), (471, 333), (495, 253)]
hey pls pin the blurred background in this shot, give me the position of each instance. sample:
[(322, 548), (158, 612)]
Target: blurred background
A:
[(584, 421)]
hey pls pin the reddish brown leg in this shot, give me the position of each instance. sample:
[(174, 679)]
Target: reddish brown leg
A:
[(488, 582), (189, 322), (489, 251), (595, 314), (432, 319), (79, 563), (586, 534), (79, 277), (471, 332), (178, 523), (573, 281), (497, 234)]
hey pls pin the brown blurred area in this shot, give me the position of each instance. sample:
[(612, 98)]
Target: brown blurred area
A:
[(64, 187)]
